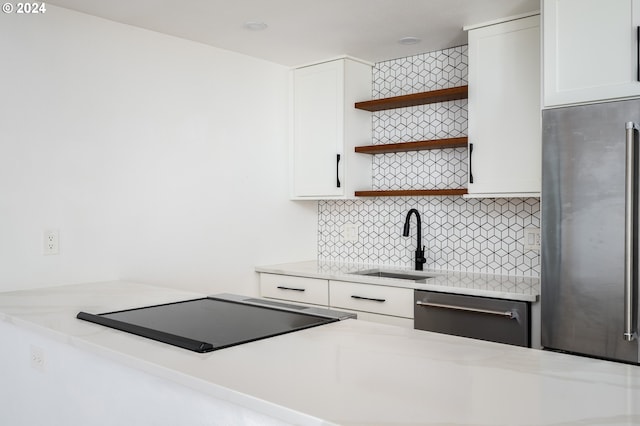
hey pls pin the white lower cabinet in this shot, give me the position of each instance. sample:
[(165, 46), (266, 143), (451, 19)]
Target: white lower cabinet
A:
[(379, 318), (375, 302), (312, 291)]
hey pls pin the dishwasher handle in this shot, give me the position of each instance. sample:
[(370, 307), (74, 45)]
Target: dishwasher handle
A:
[(507, 314)]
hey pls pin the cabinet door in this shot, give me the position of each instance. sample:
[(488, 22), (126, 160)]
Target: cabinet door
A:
[(590, 50), (327, 127), (318, 129), (504, 108)]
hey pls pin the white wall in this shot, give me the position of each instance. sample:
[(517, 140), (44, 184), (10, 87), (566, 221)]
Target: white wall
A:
[(158, 159)]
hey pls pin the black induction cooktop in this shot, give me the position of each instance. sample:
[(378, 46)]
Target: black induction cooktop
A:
[(216, 322)]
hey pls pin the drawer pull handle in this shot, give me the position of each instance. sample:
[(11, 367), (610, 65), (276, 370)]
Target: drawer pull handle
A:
[(290, 288), (506, 314), (368, 298), (337, 170)]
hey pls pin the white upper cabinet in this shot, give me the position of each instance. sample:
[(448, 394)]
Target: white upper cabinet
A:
[(590, 50), (504, 108), (327, 127)]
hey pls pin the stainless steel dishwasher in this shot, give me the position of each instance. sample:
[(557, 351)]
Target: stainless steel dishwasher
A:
[(496, 320)]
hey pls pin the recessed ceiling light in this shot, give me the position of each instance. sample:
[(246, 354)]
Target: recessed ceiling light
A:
[(255, 25), (409, 40)]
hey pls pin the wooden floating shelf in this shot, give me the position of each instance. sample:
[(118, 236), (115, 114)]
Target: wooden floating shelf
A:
[(414, 99), (413, 146), (411, 192)]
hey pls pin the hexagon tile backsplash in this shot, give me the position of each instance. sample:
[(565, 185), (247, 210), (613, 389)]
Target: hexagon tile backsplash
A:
[(460, 234)]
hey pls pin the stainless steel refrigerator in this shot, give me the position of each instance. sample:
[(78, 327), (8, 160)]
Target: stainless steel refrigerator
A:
[(589, 213)]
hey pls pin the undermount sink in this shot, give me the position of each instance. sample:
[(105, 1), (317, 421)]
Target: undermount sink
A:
[(411, 276)]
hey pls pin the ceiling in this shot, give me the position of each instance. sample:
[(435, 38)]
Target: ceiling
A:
[(305, 31)]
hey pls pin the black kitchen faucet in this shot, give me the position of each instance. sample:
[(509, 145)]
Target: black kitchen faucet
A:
[(420, 259)]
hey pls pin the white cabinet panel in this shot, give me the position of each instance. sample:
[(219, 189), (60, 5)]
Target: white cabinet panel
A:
[(590, 50), (297, 289), (383, 304), (504, 108), (376, 299), (382, 319), (327, 127), (318, 128)]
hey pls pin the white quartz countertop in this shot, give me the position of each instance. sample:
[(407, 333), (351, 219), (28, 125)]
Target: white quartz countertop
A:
[(487, 285), (352, 372)]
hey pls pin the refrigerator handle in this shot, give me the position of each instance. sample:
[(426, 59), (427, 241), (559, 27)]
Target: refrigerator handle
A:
[(630, 332)]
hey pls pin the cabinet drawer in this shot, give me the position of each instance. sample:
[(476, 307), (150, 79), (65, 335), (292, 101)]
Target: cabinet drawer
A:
[(372, 298), (296, 289)]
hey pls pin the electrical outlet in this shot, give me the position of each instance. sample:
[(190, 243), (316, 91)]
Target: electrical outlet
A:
[(50, 242), (531, 238), (350, 232), (37, 358)]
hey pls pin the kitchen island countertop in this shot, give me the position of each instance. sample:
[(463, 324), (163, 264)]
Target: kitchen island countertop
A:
[(352, 372), (472, 284)]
